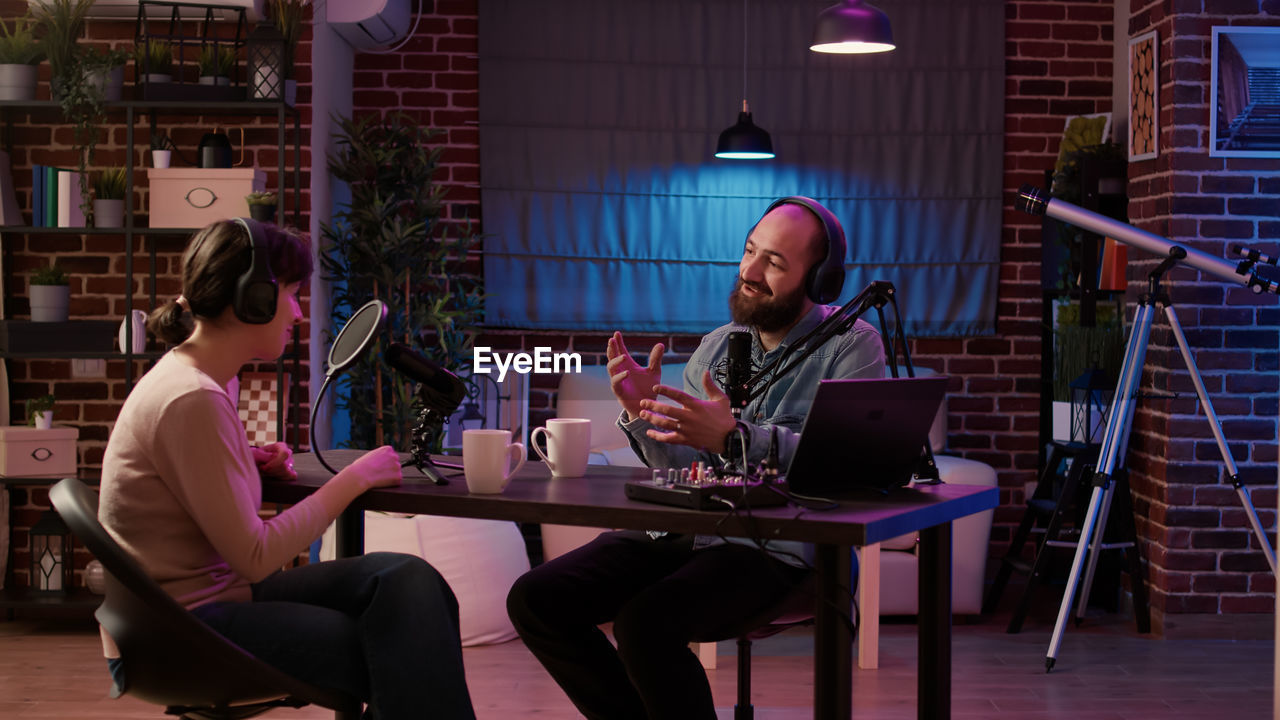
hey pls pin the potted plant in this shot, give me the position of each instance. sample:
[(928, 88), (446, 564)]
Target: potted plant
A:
[(50, 294), (40, 412), (79, 77), (108, 203), (20, 53), (60, 24), (161, 150), (216, 63), (153, 62), (389, 164), (262, 206)]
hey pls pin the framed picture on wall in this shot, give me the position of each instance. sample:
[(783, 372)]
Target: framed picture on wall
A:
[(1244, 110), (1144, 100)]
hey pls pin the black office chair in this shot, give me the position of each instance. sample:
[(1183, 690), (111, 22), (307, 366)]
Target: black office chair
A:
[(170, 657), (795, 610)]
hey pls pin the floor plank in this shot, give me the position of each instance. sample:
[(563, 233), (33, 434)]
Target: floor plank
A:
[(1105, 671)]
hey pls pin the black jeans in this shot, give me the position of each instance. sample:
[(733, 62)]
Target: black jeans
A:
[(660, 594), (382, 627)]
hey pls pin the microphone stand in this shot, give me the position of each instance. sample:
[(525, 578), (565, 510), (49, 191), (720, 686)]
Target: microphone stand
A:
[(876, 294), (431, 419)]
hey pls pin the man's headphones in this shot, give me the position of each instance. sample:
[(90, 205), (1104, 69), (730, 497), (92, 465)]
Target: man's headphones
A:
[(826, 278), (255, 299)]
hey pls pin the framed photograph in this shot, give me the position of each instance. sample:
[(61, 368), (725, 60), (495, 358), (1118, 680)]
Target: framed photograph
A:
[(1144, 96), (1244, 110)]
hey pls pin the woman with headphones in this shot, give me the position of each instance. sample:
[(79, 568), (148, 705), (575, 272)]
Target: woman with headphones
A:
[(181, 489)]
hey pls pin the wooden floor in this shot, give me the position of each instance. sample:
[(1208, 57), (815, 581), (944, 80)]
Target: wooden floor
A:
[(1206, 668)]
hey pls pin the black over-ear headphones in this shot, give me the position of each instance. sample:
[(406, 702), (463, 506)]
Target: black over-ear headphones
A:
[(826, 278), (255, 298)]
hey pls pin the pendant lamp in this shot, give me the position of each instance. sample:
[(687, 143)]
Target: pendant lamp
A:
[(744, 140), (851, 27)]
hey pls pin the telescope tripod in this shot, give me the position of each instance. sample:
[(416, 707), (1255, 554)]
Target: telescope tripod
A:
[(1115, 442)]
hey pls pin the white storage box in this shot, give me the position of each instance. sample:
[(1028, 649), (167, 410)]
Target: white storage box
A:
[(30, 452), (195, 197)]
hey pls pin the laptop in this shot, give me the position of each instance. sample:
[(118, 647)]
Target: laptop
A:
[(864, 434)]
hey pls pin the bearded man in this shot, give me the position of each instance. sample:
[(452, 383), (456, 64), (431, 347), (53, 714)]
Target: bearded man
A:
[(661, 591)]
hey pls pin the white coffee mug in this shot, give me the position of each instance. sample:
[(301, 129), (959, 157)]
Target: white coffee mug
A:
[(568, 446), (486, 457)]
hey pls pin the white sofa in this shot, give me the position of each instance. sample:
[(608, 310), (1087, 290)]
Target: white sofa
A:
[(892, 574)]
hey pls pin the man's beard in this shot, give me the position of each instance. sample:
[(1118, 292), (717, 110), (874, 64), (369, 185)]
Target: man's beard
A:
[(766, 313)]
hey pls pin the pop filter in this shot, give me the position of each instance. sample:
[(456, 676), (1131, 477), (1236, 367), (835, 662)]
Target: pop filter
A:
[(362, 328)]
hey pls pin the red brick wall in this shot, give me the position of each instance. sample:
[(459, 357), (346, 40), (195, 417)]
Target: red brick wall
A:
[(1203, 555)]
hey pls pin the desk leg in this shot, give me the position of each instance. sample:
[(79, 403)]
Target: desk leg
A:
[(832, 642), (869, 607), (348, 541), (933, 688), (349, 533)]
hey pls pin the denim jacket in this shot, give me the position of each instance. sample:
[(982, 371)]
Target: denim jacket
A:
[(857, 353)]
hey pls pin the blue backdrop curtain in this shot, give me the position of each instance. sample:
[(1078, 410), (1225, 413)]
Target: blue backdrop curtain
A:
[(605, 209)]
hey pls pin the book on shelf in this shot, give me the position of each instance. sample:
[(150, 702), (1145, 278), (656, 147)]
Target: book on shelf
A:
[(9, 212), (51, 196), (37, 196), (70, 214)]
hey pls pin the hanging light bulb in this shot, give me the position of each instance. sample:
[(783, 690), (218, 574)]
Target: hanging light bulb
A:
[(850, 27), (744, 140)]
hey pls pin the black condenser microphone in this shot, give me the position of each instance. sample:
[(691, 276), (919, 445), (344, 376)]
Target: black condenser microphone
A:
[(441, 388), (738, 371)]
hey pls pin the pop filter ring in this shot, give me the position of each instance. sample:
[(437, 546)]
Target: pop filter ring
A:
[(369, 319)]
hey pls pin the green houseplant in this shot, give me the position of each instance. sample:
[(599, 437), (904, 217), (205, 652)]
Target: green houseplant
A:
[(388, 243), (153, 61), (262, 206), (161, 150), (81, 79), (20, 53), (109, 189), (50, 294), (215, 64), (40, 411)]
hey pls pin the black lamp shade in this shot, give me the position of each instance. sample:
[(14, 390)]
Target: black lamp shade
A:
[(852, 26), (744, 141)]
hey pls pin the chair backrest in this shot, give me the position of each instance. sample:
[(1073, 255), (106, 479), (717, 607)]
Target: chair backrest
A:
[(587, 394), (170, 657)]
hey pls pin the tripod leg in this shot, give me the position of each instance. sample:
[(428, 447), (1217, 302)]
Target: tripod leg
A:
[(1119, 421), (1216, 427)]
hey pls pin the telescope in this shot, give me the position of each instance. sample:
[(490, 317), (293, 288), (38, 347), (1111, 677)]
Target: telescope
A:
[(1036, 201)]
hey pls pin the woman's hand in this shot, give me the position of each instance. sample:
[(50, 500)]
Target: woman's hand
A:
[(377, 468), (275, 461)]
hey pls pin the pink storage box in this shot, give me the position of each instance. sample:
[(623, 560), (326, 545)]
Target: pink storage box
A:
[(195, 197), (32, 453)]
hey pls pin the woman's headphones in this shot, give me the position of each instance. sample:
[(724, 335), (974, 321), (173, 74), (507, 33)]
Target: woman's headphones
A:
[(256, 291), (826, 278)]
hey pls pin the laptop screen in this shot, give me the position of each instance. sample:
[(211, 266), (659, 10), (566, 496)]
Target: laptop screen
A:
[(864, 434)]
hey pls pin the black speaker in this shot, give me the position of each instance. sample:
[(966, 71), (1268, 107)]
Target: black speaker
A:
[(256, 291), (826, 278)]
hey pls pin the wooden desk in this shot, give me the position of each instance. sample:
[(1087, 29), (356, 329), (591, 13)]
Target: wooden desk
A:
[(598, 501)]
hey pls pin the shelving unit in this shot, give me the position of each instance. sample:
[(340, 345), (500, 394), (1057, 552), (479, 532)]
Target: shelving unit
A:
[(130, 113)]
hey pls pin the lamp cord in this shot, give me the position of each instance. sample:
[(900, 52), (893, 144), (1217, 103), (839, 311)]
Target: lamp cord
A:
[(744, 55)]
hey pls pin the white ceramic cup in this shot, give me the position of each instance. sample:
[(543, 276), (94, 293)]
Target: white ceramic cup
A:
[(487, 457), (568, 446)]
